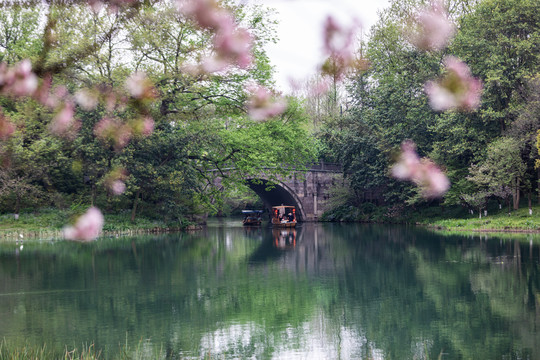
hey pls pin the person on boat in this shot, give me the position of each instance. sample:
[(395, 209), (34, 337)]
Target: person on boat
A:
[(291, 217)]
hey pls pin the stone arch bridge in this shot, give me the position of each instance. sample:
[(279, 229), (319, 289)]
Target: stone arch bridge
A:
[(308, 190)]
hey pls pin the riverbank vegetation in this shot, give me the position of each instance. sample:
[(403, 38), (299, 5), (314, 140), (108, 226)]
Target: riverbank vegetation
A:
[(13, 351), (490, 155), (453, 218)]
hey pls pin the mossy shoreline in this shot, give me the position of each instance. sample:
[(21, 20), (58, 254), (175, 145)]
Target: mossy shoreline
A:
[(517, 221), (48, 224), (440, 218)]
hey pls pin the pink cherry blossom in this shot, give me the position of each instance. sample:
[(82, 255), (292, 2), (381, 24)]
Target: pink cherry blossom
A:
[(206, 13), (147, 126), (338, 45), (118, 187), (321, 86), (113, 130), (25, 82), (337, 39), (114, 5), (63, 119), (142, 126), (18, 80), (211, 65), (457, 89), (433, 28), (115, 180), (263, 104), (423, 172), (140, 87), (86, 99), (234, 45), (87, 227)]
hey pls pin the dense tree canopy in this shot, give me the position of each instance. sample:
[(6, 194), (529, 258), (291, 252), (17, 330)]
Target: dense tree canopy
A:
[(155, 147), (499, 40)]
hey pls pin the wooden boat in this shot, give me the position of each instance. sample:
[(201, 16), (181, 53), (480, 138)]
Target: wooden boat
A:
[(252, 217), (283, 216)]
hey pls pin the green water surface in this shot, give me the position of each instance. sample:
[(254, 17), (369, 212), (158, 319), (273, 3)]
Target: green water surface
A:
[(320, 291)]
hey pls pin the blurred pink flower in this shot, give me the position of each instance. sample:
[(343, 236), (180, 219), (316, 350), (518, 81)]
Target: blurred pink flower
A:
[(337, 40), (87, 227), (42, 93), (206, 13), (113, 5), (336, 67), (25, 82), (114, 130), (263, 104), (210, 65), (118, 187), (86, 99), (18, 80), (423, 172), (147, 126), (433, 28), (115, 180), (63, 120), (457, 89), (142, 126), (140, 87), (233, 45), (338, 45)]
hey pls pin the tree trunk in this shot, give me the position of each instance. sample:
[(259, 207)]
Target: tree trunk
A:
[(17, 205), (538, 185), (516, 194), (93, 195), (135, 203), (529, 198)]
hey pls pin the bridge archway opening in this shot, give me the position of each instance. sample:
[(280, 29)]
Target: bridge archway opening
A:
[(275, 194)]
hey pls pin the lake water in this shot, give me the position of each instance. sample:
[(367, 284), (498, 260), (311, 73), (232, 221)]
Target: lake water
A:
[(320, 291)]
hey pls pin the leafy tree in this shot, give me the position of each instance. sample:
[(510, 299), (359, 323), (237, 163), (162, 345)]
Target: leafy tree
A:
[(525, 129), (503, 168), (19, 34), (500, 41)]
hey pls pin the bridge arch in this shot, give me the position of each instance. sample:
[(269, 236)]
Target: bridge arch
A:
[(277, 193), (309, 190)]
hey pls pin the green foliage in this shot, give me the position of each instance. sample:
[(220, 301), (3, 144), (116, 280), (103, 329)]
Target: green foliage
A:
[(201, 125), (19, 34), (500, 41)]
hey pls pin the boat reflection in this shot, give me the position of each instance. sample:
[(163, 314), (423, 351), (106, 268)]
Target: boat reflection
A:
[(284, 238)]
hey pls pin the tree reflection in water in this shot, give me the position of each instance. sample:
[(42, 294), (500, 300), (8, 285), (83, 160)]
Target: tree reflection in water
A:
[(319, 290)]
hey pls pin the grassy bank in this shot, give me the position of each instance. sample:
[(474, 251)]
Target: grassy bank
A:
[(14, 351), (455, 218), (48, 224), (496, 220)]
